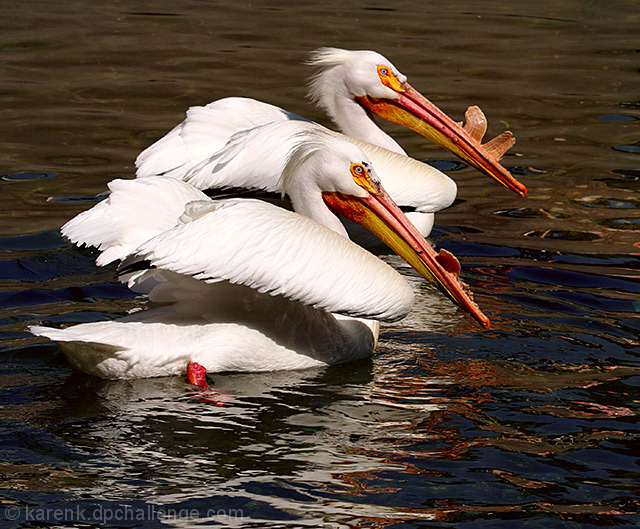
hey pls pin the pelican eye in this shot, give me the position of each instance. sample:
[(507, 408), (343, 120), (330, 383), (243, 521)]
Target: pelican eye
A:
[(389, 79), (362, 178)]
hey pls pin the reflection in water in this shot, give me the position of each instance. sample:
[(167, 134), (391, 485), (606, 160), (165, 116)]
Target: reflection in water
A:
[(329, 444), (532, 423)]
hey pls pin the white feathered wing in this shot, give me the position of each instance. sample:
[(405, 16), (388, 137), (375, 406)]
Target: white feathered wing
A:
[(277, 275)]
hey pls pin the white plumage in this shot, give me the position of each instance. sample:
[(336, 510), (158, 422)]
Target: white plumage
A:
[(345, 75), (254, 158), (215, 140), (239, 284), (205, 130), (243, 143), (117, 225), (253, 243)]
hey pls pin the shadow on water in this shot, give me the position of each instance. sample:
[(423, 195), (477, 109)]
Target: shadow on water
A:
[(532, 423)]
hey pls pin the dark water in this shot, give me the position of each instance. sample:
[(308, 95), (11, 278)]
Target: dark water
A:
[(531, 424)]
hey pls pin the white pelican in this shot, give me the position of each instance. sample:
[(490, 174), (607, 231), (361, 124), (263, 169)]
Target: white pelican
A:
[(350, 85), (244, 285)]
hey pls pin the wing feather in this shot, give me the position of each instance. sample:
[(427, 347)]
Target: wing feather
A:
[(253, 158), (409, 182), (211, 145), (205, 130), (134, 211), (274, 251)]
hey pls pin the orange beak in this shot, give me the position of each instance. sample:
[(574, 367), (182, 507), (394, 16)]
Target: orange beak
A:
[(379, 213), (411, 109)]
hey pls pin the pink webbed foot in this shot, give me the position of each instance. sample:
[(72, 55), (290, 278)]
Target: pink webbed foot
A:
[(197, 376)]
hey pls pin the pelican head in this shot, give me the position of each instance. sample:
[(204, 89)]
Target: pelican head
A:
[(325, 176), (377, 86)]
